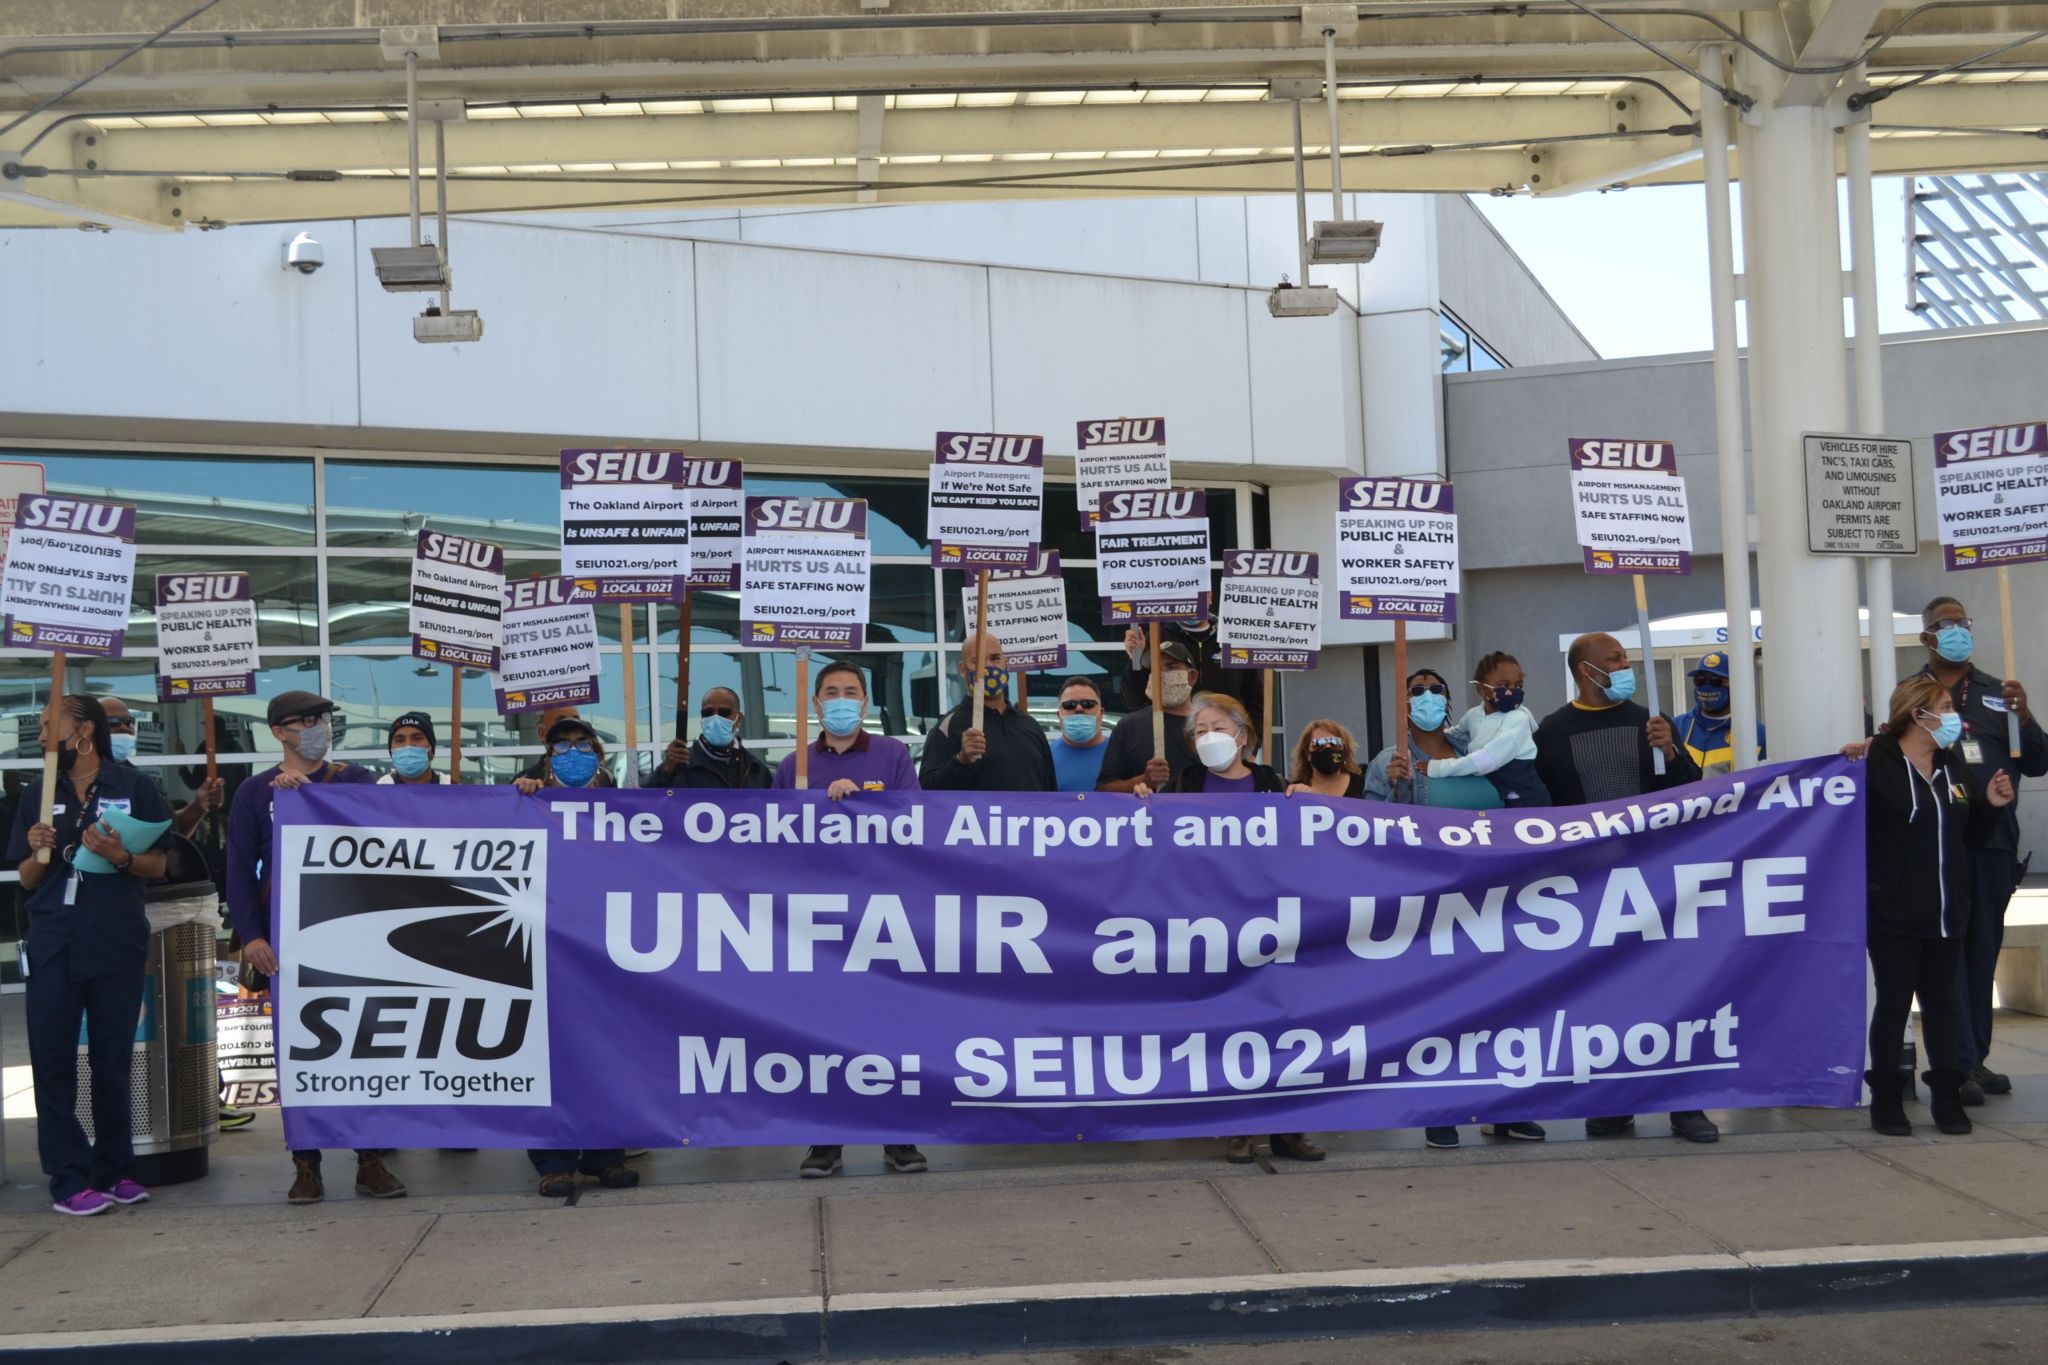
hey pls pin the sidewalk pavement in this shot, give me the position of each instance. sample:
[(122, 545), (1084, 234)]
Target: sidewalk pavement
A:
[(726, 1255)]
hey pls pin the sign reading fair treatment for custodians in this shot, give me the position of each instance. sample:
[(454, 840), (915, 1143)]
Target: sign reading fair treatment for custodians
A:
[(1152, 555), (1118, 452), (1628, 502), (549, 655), (206, 630), (1397, 550), (1269, 610), (1991, 495), (804, 573), (987, 499), (1027, 611), (458, 600), (626, 523), (70, 569)]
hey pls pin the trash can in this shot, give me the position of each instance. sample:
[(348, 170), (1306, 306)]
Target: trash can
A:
[(174, 1095)]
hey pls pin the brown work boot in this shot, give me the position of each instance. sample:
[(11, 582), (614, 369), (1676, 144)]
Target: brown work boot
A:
[(1297, 1147), (1241, 1151), (307, 1186), (376, 1182)]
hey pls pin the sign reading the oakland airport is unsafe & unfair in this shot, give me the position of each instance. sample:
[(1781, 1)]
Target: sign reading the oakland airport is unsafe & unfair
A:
[(1991, 495), (1027, 612), (549, 656), (619, 968), (987, 499), (70, 567), (1397, 550), (1269, 611), (206, 631), (644, 525), (804, 573), (1628, 503), (458, 600), (1152, 555)]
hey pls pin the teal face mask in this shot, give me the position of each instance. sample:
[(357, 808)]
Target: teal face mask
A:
[(1079, 729), (716, 731), (1954, 643), (411, 761), (1620, 686), (841, 716), (1428, 711), (123, 746), (1948, 728)]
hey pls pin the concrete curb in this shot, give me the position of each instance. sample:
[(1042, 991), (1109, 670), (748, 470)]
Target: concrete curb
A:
[(1050, 1317)]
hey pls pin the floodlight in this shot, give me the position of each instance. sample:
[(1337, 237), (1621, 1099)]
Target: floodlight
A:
[(1308, 301), (411, 269), (1345, 242)]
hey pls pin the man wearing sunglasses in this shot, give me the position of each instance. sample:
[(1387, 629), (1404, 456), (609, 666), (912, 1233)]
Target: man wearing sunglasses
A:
[(1077, 749), (717, 758)]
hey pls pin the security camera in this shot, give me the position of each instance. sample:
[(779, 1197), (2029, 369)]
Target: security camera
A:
[(304, 255)]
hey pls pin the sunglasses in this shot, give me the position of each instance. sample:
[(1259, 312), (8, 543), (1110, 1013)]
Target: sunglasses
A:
[(729, 712), (121, 725), (1420, 689), (1080, 704), (1326, 742)]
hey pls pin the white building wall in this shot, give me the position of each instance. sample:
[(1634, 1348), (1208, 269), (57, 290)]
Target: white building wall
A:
[(1485, 283)]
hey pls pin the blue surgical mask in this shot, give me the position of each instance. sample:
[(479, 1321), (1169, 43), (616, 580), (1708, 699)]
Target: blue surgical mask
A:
[(841, 716), (1427, 711), (1948, 730), (1711, 697), (411, 760), (574, 769), (1954, 643), (1620, 686), (716, 731), (1079, 728), (123, 746)]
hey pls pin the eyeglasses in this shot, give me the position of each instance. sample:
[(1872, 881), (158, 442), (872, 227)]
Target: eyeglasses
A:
[(572, 746), (310, 719), (729, 712), (1081, 704), (1419, 689), (1935, 627)]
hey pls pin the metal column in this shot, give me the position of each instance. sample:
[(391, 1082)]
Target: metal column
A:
[(1877, 569)]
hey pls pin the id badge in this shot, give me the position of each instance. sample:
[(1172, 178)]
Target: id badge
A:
[(1973, 752), (71, 888)]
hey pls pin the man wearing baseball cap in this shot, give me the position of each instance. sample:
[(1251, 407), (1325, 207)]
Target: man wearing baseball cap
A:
[(303, 725), (411, 742), (1704, 729)]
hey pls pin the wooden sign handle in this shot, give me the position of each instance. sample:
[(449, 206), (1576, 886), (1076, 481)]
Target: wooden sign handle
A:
[(212, 749), (803, 720), (1158, 697), (49, 812), (2012, 717), (1649, 654), (974, 684)]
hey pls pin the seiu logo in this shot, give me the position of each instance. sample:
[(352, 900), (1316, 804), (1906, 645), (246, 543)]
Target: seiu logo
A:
[(1598, 453), (1269, 563), (1381, 495), (527, 593), (447, 549), (218, 587), (66, 514), (620, 466), (1123, 431), (803, 514), (1168, 503), (969, 447), (1988, 442)]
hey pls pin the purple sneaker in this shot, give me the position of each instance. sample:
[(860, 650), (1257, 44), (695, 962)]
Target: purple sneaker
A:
[(127, 1191), (84, 1204)]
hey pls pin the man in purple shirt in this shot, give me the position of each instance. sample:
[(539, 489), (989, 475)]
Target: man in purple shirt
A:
[(846, 758), (303, 724)]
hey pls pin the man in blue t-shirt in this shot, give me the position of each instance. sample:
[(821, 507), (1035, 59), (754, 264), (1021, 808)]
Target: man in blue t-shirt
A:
[(1077, 749)]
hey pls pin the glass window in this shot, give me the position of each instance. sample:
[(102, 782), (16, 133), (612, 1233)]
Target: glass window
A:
[(902, 691), (286, 590), (373, 690), (1454, 345), (1483, 359), (378, 503), (161, 727), (192, 499), (367, 600)]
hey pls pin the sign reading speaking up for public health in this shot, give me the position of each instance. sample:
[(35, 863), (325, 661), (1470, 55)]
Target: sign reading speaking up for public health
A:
[(1397, 550), (1628, 500), (1269, 610), (1027, 612), (804, 573), (625, 968), (1991, 495), (206, 628), (987, 500), (1152, 555), (1118, 452), (1859, 496), (549, 656), (458, 600), (70, 569), (626, 523)]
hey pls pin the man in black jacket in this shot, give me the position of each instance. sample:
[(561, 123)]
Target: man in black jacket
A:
[(1199, 640), (1008, 754), (1984, 703), (1597, 747), (717, 757)]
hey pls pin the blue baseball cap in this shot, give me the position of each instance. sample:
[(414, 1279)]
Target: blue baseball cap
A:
[(1715, 663)]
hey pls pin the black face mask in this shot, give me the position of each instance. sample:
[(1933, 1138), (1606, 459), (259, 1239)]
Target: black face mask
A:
[(66, 757), (1326, 761)]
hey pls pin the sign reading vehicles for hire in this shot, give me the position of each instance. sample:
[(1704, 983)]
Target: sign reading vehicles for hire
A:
[(206, 629), (1859, 495), (1397, 550), (1991, 494)]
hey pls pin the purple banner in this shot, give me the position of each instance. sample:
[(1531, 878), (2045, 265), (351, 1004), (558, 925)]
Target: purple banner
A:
[(467, 966)]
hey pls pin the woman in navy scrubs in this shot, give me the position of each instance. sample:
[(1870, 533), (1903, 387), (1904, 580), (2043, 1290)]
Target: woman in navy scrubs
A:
[(88, 942)]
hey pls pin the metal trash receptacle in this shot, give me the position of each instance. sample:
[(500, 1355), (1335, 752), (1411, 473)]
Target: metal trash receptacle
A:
[(174, 1095)]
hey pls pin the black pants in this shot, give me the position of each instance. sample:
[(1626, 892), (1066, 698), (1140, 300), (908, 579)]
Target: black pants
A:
[(110, 1005), (313, 1154), (592, 1160), (1993, 873), (1905, 966)]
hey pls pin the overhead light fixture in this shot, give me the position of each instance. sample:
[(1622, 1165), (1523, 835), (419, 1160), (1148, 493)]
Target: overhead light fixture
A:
[(461, 324), (1345, 242), (1305, 301), (411, 269)]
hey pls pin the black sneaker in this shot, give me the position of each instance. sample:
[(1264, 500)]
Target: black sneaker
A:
[(1694, 1126), (904, 1157), (1970, 1093), (1441, 1138), (232, 1118), (1611, 1127), (1986, 1080), (1527, 1132), (820, 1162)]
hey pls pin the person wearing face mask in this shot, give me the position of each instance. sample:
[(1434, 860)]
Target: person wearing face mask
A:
[(846, 758), (717, 758), (575, 758), (1008, 754), (1923, 803), (121, 736), (88, 946), (1326, 762), (1077, 749), (1597, 747), (1983, 704), (303, 725), (1198, 643), (1498, 736), (1405, 778), (411, 742), (1704, 729), (1127, 759)]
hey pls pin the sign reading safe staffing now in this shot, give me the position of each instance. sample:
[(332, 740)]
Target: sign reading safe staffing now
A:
[(1859, 495), (1991, 495), (549, 656), (1628, 501), (70, 569), (1269, 611), (1118, 452), (987, 500), (458, 600), (1027, 611), (1152, 555), (206, 628), (1397, 550), (804, 573), (626, 523)]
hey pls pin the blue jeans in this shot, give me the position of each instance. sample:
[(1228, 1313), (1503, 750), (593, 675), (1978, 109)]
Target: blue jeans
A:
[(1993, 873)]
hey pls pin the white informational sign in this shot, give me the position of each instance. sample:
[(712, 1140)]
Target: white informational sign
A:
[(1152, 555), (18, 479), (987, 500), (1628, 502), (206, 629), (70, 570), (1397, 550), (1991, 495), (458, 600), (804, 573), (1859, 495), (1269, 609), (549, 655), (716, 508), (1118, 452), (1027, 612), (245, 1052), (626, 523)]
